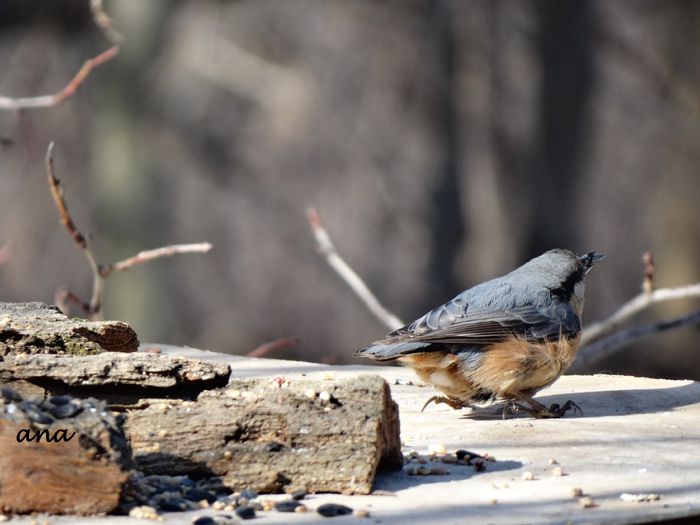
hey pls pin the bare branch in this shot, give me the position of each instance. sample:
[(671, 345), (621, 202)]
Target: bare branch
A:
[(101, 271), (76, 235), (605, 337), (63, 297), (356, 284), (649, 269), (613, 343), (5, 253), (104, 22), (60, 202), (278, 344), (641, 302), (157, 253), (47, 101)]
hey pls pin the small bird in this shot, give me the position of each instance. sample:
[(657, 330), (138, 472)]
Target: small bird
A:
[(502, 340)]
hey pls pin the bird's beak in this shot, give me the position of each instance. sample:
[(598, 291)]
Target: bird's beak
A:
[(591, 258)]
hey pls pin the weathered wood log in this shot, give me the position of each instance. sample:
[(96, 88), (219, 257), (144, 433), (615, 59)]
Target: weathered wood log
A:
[(320, 436), (113, 376), (37, 328), (76, 462)]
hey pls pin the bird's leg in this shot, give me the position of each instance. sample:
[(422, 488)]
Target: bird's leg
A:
[(450, 401), (538, 410)]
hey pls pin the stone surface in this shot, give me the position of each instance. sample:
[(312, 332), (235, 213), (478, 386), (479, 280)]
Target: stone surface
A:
[(38, 328)]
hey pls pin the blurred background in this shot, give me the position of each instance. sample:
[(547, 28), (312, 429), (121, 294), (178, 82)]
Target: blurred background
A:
[(443, 142)]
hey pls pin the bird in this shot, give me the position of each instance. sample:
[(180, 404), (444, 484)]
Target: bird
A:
[(502, 340)]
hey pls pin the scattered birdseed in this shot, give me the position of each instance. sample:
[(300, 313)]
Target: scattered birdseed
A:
[(195, 494), (494, 501), (439, 471), (267, 504), (4, 517), (576, 492), (278, 381), (298, 494), (423, 460), (218, 505), (638, 498), (557, 472), (273, 446), (162, 433), (587, 503), (228, 454), (144, 512), (203, 520), (528, 476), (330, 510), (328, 375), (230, 507), (310, 393), (324, 396), (245, 513), (449, 458), (553, 461), (465, 455), (437, 449), (301, 508), (360, 513), (174, 505), (287, 505), (249, 494), (224, 519)]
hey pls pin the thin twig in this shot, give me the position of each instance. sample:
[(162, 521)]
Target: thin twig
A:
[(104, 22), (641, 302), (60, 202), (649, 270), (63, 297), (157, 253), (101, 271), (48, 101), (79, 239), (613, 343), (278, 344), (356, 284), (5, 253)]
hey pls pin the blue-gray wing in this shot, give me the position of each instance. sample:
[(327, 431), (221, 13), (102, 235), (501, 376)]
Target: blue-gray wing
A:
[(458, 323)]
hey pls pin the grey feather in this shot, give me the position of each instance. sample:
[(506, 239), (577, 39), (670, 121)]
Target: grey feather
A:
[(532, 301)]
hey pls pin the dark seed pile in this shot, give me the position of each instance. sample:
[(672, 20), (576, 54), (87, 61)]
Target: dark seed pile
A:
[(433, 464), (146, 496), (88, 418)]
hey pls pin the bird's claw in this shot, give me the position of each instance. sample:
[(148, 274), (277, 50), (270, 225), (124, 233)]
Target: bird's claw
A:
[(443, 400), (539, 411)]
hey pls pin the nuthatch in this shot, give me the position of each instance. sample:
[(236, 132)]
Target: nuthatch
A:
[(504, 339)]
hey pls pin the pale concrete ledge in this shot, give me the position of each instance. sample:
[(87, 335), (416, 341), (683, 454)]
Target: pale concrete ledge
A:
[(636, 436)]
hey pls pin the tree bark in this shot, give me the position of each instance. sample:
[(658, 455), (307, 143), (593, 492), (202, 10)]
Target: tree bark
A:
[(323, 437), (38, 328), (81, 473)]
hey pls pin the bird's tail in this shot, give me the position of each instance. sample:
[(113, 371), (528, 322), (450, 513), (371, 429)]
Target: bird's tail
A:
[(381, 351)]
